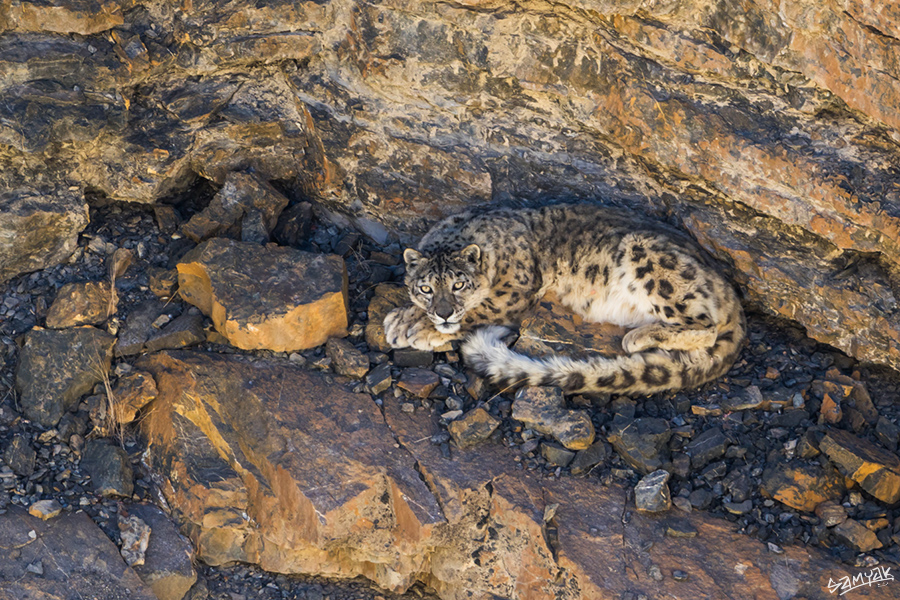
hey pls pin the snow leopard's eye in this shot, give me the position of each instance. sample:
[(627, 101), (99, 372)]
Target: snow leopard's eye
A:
[(425, 289), (459, 285)]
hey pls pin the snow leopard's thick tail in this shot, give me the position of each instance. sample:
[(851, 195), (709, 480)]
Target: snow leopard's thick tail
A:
[(643, 372)]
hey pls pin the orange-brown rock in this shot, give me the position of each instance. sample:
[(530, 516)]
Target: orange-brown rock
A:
[(163, 282), (875, 469), (272, 465), (801, 485), (267, 463), (857, 536), (266, 296), (131, 393), (88, 303)]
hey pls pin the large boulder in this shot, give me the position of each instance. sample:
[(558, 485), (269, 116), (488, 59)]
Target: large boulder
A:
[(268, 463)]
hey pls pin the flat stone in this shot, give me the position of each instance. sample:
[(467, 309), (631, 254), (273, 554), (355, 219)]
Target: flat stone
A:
[(801, 485), (109, 468), (875, 469), (386, 298), (473, 428), (410, 357), (642, 443), (133, 392), (738, 508), (182, 331), (857, 536), (244, 201), (70, 557), (418, 382), (585, 460), (379, 379), (167, 568), (831, 513), (20, 456), (543, 409), (88, 303), (38, 230), (555, 455), (680, 528), (266, 297), (651, 494), (707, 447), (347, 360), (45, 509), (57, 367)]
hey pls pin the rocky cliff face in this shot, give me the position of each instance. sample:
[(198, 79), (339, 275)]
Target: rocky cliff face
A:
[(768, 131)]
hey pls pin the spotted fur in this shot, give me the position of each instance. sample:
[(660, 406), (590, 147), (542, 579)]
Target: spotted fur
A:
[(491, 267)]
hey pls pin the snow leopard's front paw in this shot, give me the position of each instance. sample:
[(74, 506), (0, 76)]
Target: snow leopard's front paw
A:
[(409, 327)]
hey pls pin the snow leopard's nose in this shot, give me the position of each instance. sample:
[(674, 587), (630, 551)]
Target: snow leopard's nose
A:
[(443, 309)]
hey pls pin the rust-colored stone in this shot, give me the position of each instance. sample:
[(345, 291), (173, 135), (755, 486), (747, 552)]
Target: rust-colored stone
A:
[(131, 393), (89, 303), (473, 427), (801, 485), (875, 469), (554, 329), (265, 296), (544, 410)]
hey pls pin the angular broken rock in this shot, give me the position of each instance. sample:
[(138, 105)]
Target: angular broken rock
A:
[(801, 485), (57, 367), (88, 303), (347, 360), (831, 513), (45, 509), (109, 468), (244, 200), (642, 443), (38, 230), (707, 447), (131, 393), (79, 560), (266, 297), (20, 456), (473, 428), (138, 327), (418, 382), (651, 494), (543, 409), (184, 330), (857, 536), (875, 469)]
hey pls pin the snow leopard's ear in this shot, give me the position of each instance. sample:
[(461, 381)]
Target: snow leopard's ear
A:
[(471, 253), (412, 257)]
